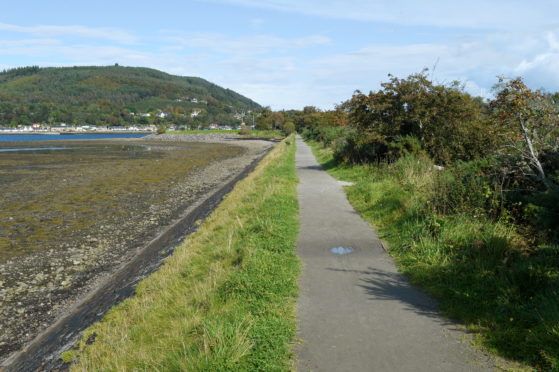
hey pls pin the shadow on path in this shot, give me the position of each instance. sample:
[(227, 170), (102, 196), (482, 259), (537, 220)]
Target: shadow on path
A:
[(382, 285)]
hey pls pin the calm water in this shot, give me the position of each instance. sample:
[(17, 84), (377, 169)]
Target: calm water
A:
[(58, 137)]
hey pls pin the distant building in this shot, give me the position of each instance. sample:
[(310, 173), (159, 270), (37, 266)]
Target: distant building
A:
[(58, 128)]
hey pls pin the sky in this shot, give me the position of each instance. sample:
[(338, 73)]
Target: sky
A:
[(288, 54)]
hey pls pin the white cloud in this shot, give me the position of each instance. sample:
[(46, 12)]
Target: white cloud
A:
[(497, 14), (475, 62), (541, 72), (248, 45), (111, 34)]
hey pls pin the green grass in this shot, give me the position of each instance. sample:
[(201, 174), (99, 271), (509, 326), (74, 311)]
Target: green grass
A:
[(483, 273), (203, 131), (253, 133), (224, 301)]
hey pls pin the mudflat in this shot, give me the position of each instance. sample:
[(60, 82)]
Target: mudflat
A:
[(73, 212)]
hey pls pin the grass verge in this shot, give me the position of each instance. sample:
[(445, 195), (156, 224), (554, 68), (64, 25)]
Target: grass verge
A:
[(225, 300), (253, 133), (202, 131), (481, 270)]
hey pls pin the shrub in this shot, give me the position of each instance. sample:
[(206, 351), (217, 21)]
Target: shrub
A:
[(352, 148), (542, 212), (161, 129), (288, 127), (245, 130), (469, 187)]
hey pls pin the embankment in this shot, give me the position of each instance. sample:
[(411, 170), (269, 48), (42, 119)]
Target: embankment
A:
[(117, 279), (224, 301)]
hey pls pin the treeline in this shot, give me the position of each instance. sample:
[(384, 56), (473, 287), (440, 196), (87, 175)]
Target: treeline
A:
[(466, 191), (112, 96)]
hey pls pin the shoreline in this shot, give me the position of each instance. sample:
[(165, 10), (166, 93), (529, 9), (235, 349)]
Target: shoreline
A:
[(52, 133), (161, 246)]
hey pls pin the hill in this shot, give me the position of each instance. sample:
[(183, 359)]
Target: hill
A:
[(114, 95)]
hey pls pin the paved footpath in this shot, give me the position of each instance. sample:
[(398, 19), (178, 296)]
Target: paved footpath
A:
[(356, 312)]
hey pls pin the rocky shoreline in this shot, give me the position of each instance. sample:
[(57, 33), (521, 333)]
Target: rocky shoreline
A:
[(51, 283)]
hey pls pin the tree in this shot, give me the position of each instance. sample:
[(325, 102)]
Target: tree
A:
[(445, 120), (277, 119), (529, 126), (264, 121), (288, 127)]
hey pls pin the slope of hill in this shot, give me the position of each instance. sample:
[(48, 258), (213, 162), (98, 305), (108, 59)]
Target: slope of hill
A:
[(112, 95)]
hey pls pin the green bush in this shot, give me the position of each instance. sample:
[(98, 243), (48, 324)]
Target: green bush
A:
[(469, 187), (161, 129), (352, 148), (288, 127), (245, 130), (542, 212), (324, 133)]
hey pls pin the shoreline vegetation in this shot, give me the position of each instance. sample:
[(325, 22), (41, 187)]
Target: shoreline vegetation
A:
[(225, 300)]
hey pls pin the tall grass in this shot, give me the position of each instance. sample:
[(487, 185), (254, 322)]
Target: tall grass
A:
[(482, 271), (224, 301)]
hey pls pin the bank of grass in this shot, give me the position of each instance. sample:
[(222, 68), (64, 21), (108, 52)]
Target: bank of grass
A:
[(483, 272), (224, 301), (201, 131), (252, 134)]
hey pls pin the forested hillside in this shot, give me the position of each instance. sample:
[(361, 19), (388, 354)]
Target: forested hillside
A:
[(114, 95)]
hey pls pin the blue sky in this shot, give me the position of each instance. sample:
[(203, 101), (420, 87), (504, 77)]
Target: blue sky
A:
[(294, 53)]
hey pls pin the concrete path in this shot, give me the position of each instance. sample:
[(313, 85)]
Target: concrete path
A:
[(356, 312)]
